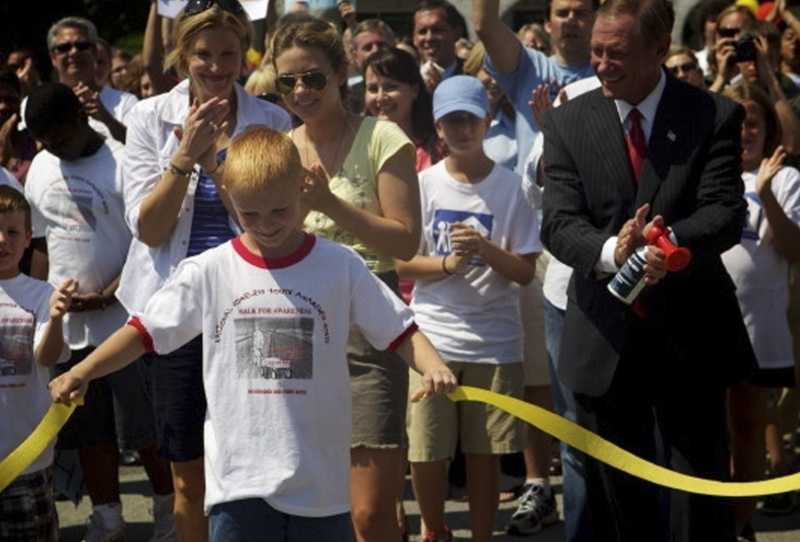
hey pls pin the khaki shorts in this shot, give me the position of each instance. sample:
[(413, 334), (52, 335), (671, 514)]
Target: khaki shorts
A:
[(379, 384), (534, 361), (435, 424)]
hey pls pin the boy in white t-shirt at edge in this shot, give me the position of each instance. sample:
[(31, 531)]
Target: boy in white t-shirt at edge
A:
[(480, 240), (274, 307), (31, 340)]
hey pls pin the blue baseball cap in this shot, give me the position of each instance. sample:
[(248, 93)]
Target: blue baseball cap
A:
[(460, 93)]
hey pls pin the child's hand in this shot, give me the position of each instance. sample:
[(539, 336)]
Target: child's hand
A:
[(467, 240), (438, 380), (316, 190), (458, 262), (61, 299), (66, 388), (769, 167)]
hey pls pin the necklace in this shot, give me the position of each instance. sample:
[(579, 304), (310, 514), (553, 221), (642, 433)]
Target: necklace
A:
[(338, 158)]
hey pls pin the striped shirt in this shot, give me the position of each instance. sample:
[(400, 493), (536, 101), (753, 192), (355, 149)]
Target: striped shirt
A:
[(210, 223)]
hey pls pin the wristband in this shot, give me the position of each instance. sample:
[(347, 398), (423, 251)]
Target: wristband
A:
[(175, 170), (444, 266)]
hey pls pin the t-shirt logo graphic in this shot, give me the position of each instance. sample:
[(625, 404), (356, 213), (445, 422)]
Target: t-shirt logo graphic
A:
[(443, 220), (755, 215), (16, 346), (274, 348)]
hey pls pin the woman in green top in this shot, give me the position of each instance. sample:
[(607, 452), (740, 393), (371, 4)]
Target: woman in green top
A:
[(368, 199)]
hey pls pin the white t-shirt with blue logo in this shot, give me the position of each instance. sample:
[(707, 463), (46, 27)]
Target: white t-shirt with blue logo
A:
[(474, 317)]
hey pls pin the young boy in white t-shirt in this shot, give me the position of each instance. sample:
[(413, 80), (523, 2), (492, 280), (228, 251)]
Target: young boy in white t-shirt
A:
[(31, 340), (480, 240), (274, 307)]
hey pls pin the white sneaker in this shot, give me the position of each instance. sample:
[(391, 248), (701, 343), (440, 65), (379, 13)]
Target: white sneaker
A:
[(164, 519), (98, 530)]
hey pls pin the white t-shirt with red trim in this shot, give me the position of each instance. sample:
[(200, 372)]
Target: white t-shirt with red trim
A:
[(274, 365), (24, 399)]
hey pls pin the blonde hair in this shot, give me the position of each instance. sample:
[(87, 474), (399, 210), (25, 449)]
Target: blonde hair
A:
[(261, 157), (261, 81), (189, 26), (12, 201)]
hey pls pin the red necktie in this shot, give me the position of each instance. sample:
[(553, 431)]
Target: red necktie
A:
[(634, 141)]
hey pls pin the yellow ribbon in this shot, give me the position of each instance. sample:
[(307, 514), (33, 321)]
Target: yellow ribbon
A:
[(36, 443), (610, 454), (564, 430)]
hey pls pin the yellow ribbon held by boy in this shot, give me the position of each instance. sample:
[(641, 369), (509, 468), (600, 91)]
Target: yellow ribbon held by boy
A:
[(564, 430)]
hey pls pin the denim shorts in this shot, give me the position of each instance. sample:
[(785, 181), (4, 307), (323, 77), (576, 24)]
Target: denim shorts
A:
[(254, 520), (175, 382), (116, 408)]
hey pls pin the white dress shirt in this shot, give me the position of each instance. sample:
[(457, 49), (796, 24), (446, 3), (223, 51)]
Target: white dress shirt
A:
[(647, 108)]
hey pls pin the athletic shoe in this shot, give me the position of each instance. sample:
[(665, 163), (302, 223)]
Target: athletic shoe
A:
[(747, 534), (163, 519), (98, 531), (536, 509)]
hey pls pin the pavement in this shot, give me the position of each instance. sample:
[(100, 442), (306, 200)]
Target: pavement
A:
[(137, 511)]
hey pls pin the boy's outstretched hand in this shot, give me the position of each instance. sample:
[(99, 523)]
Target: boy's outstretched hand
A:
[(437, 380), (66, 388), (61, 299)]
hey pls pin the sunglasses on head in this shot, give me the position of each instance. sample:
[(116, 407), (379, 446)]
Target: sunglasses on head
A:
[(67, 46), (312, 79), (193, 7)]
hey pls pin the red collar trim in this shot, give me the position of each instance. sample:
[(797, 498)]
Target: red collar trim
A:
[(275, 263)]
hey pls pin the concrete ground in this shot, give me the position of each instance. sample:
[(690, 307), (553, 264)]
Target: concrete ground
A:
[(137, 505)]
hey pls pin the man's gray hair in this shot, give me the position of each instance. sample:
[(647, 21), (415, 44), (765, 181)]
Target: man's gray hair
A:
[(80, 23)]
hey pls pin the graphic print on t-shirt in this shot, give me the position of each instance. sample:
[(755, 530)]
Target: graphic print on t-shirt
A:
[(73, 202), (443, 220), (274, 348), (755, 215), (16, 340)]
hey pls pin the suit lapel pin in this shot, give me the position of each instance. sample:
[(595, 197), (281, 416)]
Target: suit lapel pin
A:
[(671, 136)]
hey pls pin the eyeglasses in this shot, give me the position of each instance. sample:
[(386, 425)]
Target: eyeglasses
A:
[(314, 80), (728, 32), (193, 7), (67, 46), (685, 68)]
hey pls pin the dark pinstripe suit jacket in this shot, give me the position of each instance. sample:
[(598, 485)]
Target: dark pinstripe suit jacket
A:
[(692, 178)]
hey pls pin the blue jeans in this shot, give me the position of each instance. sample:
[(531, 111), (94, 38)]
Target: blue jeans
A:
[(253, 520), (577, 517)]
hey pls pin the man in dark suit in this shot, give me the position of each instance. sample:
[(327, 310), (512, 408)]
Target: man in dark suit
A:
[(652, 380)]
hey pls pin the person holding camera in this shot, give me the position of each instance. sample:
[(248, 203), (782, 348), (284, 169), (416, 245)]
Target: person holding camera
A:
[(729, 50)]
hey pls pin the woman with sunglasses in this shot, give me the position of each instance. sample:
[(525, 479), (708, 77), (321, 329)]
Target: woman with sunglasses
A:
[(172, 172), (370, 203)]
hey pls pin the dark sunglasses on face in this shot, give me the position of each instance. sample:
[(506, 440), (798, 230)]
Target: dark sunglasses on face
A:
[(313, 79), (66, 47), (685, 68), (728, 32), (193, 7)]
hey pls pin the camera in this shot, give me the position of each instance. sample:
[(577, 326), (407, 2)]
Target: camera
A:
[(745, 48)]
